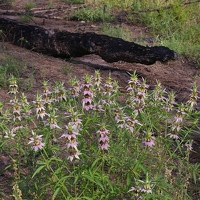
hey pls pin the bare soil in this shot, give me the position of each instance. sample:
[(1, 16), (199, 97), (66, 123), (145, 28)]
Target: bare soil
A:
[(178, 75)]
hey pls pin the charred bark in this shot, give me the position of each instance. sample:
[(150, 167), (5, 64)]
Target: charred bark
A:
[(66, 44)]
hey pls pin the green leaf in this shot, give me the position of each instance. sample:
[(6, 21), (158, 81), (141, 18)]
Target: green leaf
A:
[(94, 163), (93, 180), (38, 170), (128, 179), (56, 192)]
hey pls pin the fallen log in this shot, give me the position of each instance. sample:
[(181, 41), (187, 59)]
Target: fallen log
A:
[(67, 44)]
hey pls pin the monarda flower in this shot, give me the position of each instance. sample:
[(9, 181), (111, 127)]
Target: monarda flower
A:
[(149, 140), (192, 102), (39, 107), (108, 87), (170, 102), (23, 100), (103, 139), (71, 142), (13, 87), (130, 123), (189, 145), (45, 88), (16, 111), (61, 92), (87, 93), (142, 188), (46, 94), (10, 134), (53, 122), (36, 142), (97, 80), (75, 122), (133, 82), (137, 96), (178, 120), (158, 92), (76, 87)]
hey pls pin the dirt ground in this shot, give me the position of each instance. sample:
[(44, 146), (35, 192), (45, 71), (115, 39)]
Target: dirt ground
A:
[(178, 75)]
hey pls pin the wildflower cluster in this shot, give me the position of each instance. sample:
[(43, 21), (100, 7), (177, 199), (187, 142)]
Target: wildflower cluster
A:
[(75, 87), (39, 107), (104, 137), (192, 102), (137, 94), (71, 132), (36, 141), (136, 134), (88, 95), (13, 87), (149, 139), (142, 188)]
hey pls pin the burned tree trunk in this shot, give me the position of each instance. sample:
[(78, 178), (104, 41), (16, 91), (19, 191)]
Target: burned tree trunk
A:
[(66, 44)]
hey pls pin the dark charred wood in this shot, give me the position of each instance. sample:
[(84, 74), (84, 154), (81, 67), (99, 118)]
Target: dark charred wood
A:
[(66, 44)]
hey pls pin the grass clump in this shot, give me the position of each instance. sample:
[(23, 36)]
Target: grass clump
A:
[(82, 143), (10, 65), (117, 31), (174, 24), (100, 13), (74, 1), (177, 27)]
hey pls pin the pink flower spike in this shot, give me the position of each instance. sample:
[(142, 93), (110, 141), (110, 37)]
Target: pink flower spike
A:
[(104, 146), (88, 93), (189, 146), (173, 136), (36, 142), (103, 138), (88, 107), (72, 144), (148, 143), (87, 101), (73, 153)]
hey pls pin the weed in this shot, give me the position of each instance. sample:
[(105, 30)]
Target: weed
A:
[(67, 69), (10, 65), (117, 31), (175, 24), (29, 5), (95, 14), (177, 27), (80, 143), (74, 1), (2, 36)]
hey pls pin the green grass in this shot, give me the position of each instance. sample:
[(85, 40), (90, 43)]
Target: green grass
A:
[(95, 14), (10, 65), (117, 31), (177, 27), (67, 69), (81, 143), (172, 24)]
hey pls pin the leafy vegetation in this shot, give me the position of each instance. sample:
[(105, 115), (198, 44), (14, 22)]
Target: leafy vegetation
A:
[(90, 141), (174, 24), (117, 31), (10, 65), (95, 14), (82, 143)]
